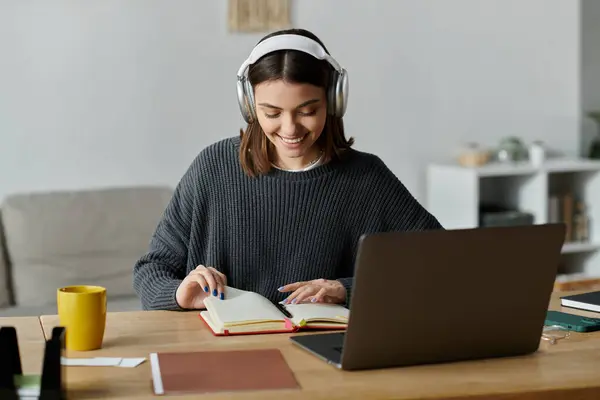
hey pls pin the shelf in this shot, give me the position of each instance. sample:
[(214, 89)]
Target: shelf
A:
[(551, 192), (567, 165), (555, 165), (579, 247)]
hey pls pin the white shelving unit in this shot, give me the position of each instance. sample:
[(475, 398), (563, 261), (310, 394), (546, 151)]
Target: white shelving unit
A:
[(455, 194)]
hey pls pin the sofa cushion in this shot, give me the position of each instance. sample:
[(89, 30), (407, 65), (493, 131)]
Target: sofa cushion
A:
[(78, 237)]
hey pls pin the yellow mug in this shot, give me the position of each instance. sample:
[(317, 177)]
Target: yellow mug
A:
[(82, 311)]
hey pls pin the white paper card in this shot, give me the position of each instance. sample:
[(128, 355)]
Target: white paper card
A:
[(103, 362), (131, 362), (95, 362)]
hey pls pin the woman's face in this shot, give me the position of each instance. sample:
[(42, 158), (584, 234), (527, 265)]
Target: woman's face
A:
[(292, 116)]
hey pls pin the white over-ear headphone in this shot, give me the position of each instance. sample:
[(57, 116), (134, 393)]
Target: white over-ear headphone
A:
[(337, 92)]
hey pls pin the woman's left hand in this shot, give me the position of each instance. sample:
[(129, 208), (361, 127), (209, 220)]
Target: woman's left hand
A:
[(315, 291)]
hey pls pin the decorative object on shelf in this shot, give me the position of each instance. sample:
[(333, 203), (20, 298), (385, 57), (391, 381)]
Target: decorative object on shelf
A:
[(580, 223), (594, 151), (560, 209), (473, 155), (511, 149), (572, 212), (496, 215), (258, 15), (554, 214), (537, 153)]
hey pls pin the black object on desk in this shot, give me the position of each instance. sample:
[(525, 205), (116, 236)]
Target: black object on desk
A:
[(585, 301), (51, 384)]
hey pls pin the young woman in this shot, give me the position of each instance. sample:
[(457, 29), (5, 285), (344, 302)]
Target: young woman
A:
[(280, 209)]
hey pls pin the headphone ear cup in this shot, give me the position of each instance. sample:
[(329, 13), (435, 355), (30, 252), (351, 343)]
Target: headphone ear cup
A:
[(242, 99), (250, 101), (338, 93), (246, 100), (341, 93), (331, 97)]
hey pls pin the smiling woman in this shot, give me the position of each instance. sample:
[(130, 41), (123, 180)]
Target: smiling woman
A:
[(280, 209), (293, 128), (294, 123)]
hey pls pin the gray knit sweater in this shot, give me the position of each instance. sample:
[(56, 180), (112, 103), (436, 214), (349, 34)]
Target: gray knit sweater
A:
[(268, 231)]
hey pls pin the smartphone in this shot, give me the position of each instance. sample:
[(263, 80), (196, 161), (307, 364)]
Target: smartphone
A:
[(572, 322)]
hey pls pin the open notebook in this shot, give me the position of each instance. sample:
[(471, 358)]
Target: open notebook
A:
[(244, 312)]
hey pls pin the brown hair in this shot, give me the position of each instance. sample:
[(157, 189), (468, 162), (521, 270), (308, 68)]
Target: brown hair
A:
[(297, 67)]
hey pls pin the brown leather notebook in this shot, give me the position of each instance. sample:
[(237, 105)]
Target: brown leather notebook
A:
[(217, 371)]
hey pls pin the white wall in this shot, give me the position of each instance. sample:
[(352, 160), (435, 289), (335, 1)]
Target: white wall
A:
[(117, 92), (590, 66)]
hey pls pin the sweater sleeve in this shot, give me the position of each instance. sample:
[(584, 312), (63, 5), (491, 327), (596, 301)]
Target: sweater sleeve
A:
[(159, 272), (396, 209)]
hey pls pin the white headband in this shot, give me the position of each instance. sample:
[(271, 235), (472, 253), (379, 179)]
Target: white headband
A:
[(288, 42)]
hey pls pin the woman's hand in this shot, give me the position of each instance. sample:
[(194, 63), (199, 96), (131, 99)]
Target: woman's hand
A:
[(315, 291), (198, 285)]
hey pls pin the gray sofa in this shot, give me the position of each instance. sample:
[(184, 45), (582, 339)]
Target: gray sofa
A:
[(85, 237)]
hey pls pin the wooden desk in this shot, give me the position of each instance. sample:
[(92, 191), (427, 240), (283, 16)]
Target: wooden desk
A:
[(31, 341), (570, 368)]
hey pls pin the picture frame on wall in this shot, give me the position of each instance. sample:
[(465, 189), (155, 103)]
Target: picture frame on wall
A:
[(258, 15)]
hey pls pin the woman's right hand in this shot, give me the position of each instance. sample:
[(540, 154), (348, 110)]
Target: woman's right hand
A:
[(198, 285)]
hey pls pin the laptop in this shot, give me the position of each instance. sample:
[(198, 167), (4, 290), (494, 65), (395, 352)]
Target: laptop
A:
[(445, 295)]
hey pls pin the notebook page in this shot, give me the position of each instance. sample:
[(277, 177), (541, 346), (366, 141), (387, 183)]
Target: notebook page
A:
[(241, 306), (308, 311)]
